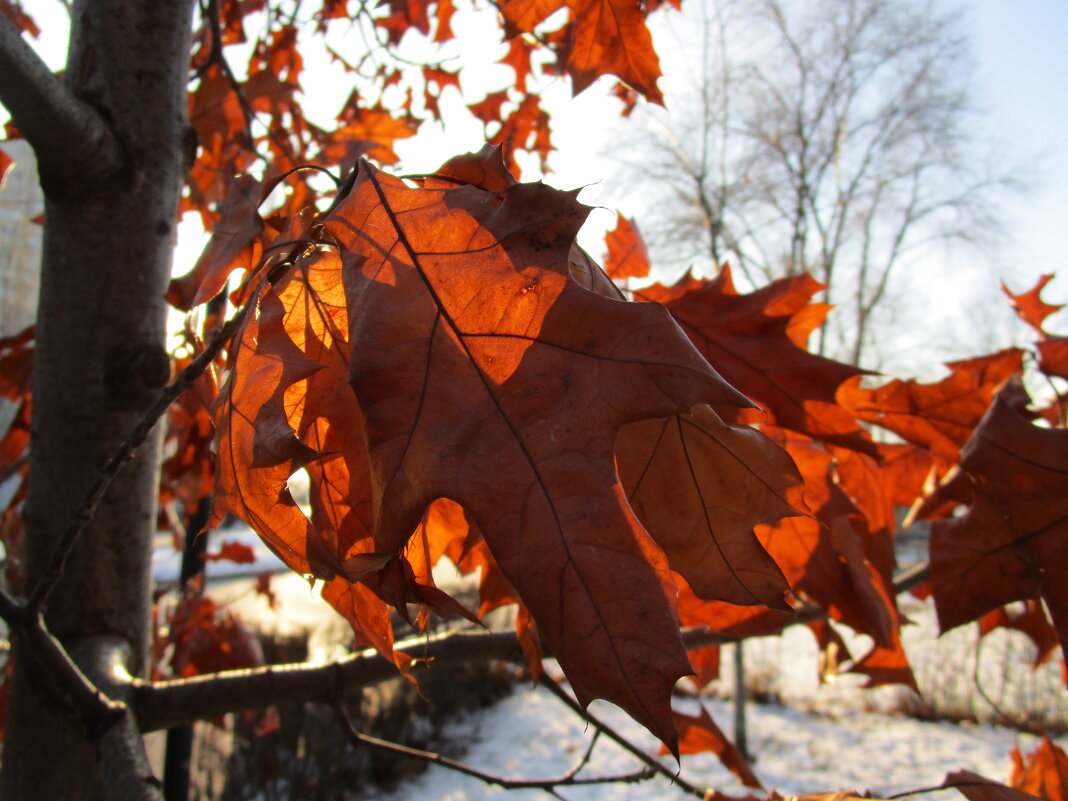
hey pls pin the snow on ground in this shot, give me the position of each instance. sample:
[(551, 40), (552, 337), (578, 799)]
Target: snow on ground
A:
[(829, 737), (530, 735)]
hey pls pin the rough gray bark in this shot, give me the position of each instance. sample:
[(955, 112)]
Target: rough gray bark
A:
[(100, 356)]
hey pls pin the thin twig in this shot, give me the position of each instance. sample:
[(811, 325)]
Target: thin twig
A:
[(654, 764), (53, 573), (548, 785), (1004, 717)]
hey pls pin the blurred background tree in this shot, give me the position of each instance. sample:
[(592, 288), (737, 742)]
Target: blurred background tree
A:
[(837, 138)]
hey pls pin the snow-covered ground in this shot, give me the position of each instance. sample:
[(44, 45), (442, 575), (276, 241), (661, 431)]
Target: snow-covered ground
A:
[(826, 737), (530, 735)]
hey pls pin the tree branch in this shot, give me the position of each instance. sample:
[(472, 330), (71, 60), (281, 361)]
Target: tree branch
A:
[(95, 708), (160, 705), (68, 136), (120, 747)]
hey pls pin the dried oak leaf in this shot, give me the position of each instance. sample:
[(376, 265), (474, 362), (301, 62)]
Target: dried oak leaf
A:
[(1031, 620), (939, 416), (232, 551), (605, 37), (832, 558), (1053, 356), (699, 734), (627, 255), (1029, 305), (750, 341), (486, 375), (233, 246), (1044, 772), (699, 486), (1010, 544)]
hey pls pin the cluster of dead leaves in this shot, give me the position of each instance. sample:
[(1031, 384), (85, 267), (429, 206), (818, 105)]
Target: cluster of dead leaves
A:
[(250, 114), (457, 379)]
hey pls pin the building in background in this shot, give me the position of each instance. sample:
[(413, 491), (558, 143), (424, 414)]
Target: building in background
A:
[(20, 240)]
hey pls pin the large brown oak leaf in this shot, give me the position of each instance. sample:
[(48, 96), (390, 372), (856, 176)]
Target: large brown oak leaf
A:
[(1012, 543), (486, 375)]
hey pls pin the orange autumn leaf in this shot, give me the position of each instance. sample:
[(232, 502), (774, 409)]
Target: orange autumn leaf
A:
[(478, 382), (442, 348), (938, 416), (699, 486), (1029, 305), (1031, 621), (1043, 772), (232, 551), (605, 37), (609, 37), (747, 338), (627, 256), (1053, 356), (699, 734), (231, 247)]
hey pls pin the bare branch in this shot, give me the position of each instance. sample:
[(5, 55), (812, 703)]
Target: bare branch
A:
[(124, 764), (120, 747), (569, 779), (97, 710), (653, 764), (160, 705), (68, 136)]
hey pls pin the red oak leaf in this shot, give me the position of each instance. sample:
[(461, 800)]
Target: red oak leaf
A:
[(1031, 620), (699, 733), (1010, 544), (627, 256), (231, 551), (747, 338), (486, 375), (1044, 772), (699, 486), (1029, 305), (939, 416)]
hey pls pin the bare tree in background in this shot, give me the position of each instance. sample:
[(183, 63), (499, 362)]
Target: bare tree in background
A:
[(833, 137)]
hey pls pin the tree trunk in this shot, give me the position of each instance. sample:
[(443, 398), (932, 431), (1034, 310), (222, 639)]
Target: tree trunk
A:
[(100, 360)]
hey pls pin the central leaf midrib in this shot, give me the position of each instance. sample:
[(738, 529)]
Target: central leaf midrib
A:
[(443, 314)]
